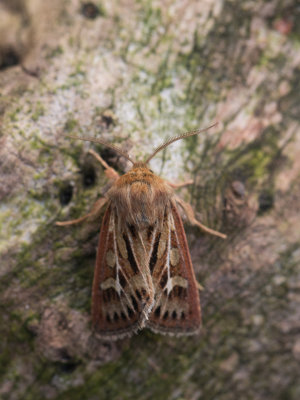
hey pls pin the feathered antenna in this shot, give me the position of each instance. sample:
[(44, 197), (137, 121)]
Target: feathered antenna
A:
[(100, 141), (175, 138), (159, 148)]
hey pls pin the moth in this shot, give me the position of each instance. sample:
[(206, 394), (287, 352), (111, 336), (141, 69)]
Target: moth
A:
[(143, 276)]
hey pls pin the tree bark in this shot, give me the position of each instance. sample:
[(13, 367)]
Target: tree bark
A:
[(134, 73)]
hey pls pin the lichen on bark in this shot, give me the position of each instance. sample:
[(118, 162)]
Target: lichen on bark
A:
[(135, 73)]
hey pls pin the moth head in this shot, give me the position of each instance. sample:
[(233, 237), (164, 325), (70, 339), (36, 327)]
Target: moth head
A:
[(139, 164)]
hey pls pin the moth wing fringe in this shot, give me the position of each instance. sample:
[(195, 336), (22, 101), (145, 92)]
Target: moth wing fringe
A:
[(173, 332), (128, 332)]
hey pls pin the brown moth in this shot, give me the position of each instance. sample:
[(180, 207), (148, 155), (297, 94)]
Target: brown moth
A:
[(144, 275)]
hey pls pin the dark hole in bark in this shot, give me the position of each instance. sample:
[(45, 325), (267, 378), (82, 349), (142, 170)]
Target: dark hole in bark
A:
[(266, 202), (90, 10), (89, 175), (111, 157), (8, 58), (65, 194), (107, 120)]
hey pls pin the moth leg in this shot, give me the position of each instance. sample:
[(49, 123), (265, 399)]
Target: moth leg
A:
[(95, 212), (181, 184), (199, 286), (109, 171), (192, 219)]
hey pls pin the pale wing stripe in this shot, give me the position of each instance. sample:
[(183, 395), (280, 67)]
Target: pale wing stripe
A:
[(118, 267), (118, 286), (169, 283), (153, 240), (141, 269), (167, 265)]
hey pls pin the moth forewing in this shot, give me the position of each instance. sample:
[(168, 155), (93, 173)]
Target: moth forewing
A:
[(122, 289), (177, 304)]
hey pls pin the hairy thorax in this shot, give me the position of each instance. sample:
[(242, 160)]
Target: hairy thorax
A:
[(140, 197)]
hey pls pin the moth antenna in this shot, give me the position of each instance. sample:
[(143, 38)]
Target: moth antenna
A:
[(175, 138), (112, 146)]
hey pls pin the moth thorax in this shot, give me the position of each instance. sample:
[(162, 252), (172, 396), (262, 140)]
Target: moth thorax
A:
[(140, 203)]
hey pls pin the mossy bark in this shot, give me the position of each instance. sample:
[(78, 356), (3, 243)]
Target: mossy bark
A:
[(135, 73)]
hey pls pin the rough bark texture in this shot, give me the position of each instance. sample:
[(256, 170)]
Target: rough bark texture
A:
[(135, 72)]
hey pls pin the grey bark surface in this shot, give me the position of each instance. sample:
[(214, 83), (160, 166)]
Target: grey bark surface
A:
[(135, 73)]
